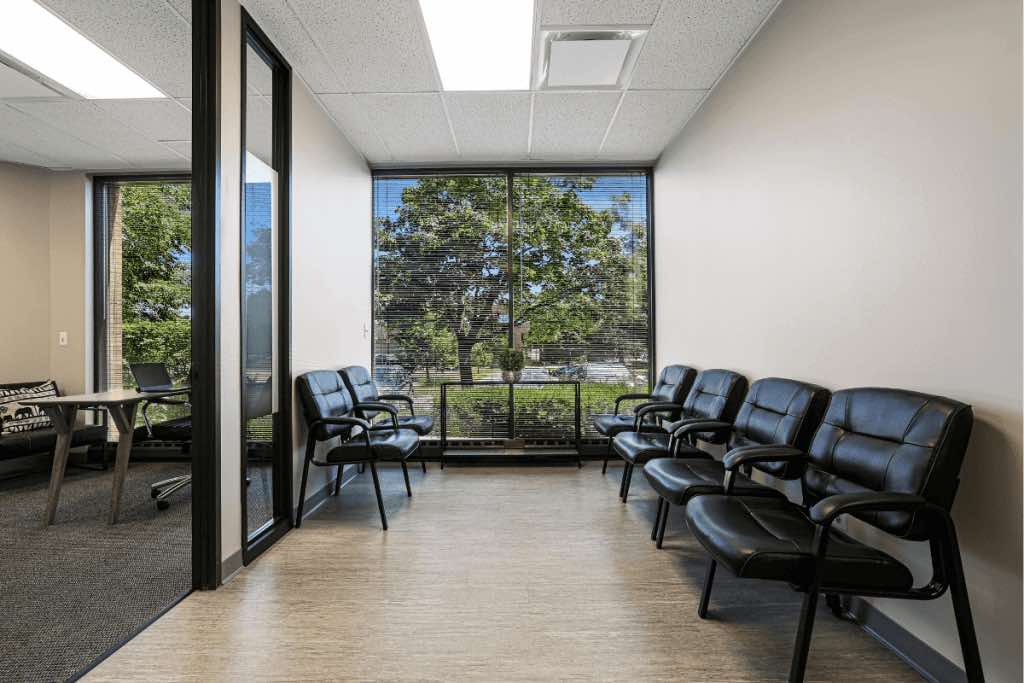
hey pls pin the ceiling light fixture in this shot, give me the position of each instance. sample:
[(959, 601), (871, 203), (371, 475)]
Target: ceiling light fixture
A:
[(600, 58), (41, 41), (481, 45)]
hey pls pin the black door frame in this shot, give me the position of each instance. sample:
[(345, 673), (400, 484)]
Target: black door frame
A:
[(206, 308), (253, 36)]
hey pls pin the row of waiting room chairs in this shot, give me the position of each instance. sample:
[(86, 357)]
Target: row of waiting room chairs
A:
[(889, 457)]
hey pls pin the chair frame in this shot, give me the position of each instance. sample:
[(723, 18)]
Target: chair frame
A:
[(947, 565), (371, 457)]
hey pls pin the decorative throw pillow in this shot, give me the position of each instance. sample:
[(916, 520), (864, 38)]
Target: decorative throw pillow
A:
[(16, 417)]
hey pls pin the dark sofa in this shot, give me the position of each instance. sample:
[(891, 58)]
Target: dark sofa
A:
[(43, 440)]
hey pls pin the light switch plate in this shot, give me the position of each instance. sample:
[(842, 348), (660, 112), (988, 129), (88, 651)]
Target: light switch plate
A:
[(62, 338)]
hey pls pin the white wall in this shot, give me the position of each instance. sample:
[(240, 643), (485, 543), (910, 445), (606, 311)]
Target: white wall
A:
[(331, 257), (46, 261), (846, 209), (25, 264)]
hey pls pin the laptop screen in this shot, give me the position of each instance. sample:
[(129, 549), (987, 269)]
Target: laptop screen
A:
[(151, 376)]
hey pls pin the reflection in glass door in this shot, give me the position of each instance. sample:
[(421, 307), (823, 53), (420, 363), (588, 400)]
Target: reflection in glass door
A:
[(265, 457)]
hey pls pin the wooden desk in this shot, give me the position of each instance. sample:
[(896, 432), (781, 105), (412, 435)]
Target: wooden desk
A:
[(122, 405)]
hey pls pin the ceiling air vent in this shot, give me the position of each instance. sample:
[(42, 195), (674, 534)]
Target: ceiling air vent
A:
[(587, 58)]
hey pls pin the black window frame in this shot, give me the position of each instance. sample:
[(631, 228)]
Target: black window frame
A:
[(509, 172)]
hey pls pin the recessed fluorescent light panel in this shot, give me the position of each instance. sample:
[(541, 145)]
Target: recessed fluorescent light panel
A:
[(41, 41), (481, 44)]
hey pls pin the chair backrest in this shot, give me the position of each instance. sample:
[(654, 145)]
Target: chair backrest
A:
[(674, 383), (360, 383), (780, 411), (715, 395), (323, 394), (889, 440), (151, 376)]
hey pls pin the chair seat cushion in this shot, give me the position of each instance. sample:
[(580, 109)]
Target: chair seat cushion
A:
[(639, 447), (610, 425), (388, 444), (178, 429), (771, 538), (421, 424), (677, 480)]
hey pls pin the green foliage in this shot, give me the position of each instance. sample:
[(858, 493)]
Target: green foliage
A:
[(156, 274), (426, 344), (511, 360), (480, 355)]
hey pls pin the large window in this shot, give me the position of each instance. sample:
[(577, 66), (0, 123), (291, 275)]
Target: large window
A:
[(143, 281), (556, 264)]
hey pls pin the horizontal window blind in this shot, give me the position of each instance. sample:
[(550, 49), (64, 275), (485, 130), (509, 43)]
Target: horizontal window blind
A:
[(459, 273)]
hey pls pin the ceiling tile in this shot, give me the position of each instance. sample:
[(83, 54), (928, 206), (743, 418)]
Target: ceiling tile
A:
[(182, 147), (490, 126), (85, 121), (51, 143), (353, 122), (16, 84), (146, 35), (183, 7), (155, 119), (414, 126), (259, 129), (693, 42), (258, 74), (283, 27), (570, 124), (16, 154), (647, 121), (598, 12), (374, 46)]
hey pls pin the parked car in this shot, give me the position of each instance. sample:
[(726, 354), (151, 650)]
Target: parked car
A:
[(605, 373), (535, 375), (392, 379)]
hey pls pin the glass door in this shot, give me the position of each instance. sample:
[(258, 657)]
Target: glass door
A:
[(266, 457)]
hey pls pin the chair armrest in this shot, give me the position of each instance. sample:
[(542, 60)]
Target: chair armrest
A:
[(628, 397), (399, 397), (748, 455), (825, 511), (354, 421), (655, 407), (698, 425), (376, 405)]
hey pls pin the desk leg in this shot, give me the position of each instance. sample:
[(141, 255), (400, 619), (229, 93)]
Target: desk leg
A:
[(124, 419), (63, 419)]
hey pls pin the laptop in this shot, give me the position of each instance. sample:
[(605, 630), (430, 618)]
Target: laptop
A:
[(152, 377)]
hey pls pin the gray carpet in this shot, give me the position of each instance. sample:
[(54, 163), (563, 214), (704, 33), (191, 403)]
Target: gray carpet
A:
[(71, 592)]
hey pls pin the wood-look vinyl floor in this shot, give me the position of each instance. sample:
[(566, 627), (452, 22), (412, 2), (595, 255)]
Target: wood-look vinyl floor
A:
[(493, 574)]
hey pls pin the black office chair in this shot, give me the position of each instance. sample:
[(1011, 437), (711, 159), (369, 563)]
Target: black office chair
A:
[(889, 457), (707, 414), (330, 412), (154, 377), (777, 415), (361, 385), (673, 385)]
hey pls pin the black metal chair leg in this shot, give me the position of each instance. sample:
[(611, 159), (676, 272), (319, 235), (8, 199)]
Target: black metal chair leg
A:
[(663, 523), (405, 473), (622, 482), (962, 610), (607, 456), (657, 518), (380, 500), (423, 462), (302, 494), (629, 479), (803, 636), (705, 595), (337, 479)]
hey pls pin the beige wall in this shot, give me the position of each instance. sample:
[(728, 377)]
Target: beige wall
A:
[(25, 264), (331, 256), (46, 260), (846, 209)]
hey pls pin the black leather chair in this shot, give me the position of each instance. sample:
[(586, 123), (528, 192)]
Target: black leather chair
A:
[(361, 385), (673, 385), (706, 414), (777, 416), (330, 412), (889, 457)]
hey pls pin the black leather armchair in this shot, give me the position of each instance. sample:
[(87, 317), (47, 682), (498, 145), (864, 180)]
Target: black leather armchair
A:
[(771, 432), (889, 457), (673, 385), (707, 413), (330, 413), (369, 402)]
